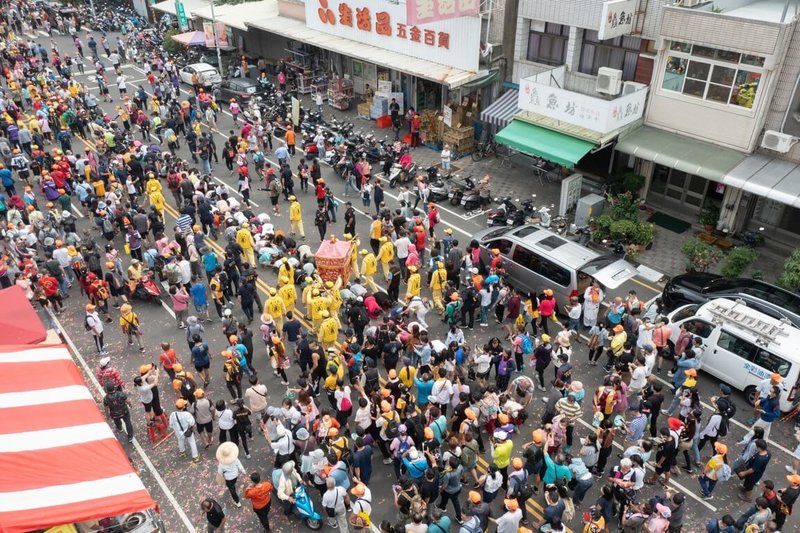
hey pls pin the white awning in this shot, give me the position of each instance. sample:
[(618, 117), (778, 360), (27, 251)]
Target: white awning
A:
[(237, 15), (189, 6), (502, 110), (766, 176), (297, 30)]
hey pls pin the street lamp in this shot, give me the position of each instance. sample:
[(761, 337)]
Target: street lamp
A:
[(216, 39)]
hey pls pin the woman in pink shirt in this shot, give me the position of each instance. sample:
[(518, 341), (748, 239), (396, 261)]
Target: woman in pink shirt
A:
[(180, 304)]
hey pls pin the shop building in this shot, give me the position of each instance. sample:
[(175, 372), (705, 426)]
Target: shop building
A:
[(719, 115), (426, 54)]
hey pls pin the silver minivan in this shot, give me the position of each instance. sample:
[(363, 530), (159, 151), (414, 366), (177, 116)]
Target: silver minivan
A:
[(538, 259)]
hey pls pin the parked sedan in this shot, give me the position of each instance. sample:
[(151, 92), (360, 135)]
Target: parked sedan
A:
[(239, 88), (699, 287), (210, 76)]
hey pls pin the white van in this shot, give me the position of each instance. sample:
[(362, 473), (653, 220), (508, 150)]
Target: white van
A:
[(742, 346)]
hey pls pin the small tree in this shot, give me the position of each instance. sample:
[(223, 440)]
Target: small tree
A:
[(171, 45), (790, 279), (737, 261)]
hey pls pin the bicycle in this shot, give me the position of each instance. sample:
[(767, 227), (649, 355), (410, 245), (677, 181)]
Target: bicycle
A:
[(484, 150)]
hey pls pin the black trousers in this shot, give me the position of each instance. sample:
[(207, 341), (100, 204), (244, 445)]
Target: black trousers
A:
[(263, 516)]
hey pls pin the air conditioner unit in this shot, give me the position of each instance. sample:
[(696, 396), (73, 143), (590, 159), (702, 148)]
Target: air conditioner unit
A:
[(629, 87), (777, 141), (609, 81)]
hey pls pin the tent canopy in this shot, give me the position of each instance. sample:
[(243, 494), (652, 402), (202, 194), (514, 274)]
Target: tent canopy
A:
[(19, 323), (190, 38), (61, 462)]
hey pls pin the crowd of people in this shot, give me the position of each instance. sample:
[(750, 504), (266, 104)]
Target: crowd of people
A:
[(429, 405)]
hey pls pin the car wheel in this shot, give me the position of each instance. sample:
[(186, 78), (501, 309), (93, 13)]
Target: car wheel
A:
[(751, 394)]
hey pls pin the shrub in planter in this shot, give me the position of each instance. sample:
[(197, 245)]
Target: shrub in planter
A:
[(790, 279), (627, 181), (709, 216), (602, 228), (737, 261), (700, 255), (624, 206)]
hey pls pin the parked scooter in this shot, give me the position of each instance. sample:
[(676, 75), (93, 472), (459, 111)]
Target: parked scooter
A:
[(471, 199), (582, 235), (438, 188), (503, 214), (458, 188)]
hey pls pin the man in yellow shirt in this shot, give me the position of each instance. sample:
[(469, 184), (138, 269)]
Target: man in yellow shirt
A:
[(369, 265), (275, 307), (385, 254), (288, 293), (438, 282), (152, 184), (306, 295), (328, 331), (296, 217), (286, 270), (318, 305), (375, 234), (354, 242), (414, 282), (245, 239), (334, 298), (157, 201)]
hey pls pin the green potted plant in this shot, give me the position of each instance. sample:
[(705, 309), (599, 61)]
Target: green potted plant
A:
[(790, 279), (709, 216), (737, 261), (700, 256)]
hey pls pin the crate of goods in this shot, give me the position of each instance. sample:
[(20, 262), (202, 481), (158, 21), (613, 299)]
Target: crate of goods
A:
[(363, 110), (383, 122), (462, 138), (431, 126), (380, 107)]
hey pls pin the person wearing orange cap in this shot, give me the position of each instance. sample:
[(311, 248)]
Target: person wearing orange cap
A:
[(182, 424), (509, 521), (92, 322), (763, 389), (715, 469), (147, 386), (768, 410), (518, 486), (232, 372)]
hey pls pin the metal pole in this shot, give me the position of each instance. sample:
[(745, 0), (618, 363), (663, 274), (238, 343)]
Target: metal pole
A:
[(216, 39), (91, 7)]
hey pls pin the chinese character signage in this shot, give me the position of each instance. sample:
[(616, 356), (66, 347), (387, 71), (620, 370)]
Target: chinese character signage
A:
[(596, 114), (453, 42), (222, 35), (617, 18), (423, 11)]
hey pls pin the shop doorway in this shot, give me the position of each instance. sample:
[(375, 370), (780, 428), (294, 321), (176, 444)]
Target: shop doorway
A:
[(429, 95), (681, 191)]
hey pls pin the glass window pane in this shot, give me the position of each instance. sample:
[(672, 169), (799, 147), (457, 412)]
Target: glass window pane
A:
[(771, 363), (725, 55), (698, 70), (694, 88), (718, 93), (723, 75), (735, 345), (757, 61), (678, 46), (697, 184), (674, 74), (703, 51), (534, 44), (745, 89)]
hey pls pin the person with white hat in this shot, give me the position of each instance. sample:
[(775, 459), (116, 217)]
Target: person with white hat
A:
[(228, 469)]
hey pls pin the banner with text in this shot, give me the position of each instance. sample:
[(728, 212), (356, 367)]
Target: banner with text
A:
[(423, 11)]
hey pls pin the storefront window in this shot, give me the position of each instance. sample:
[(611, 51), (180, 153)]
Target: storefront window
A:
[(620, 53), (711, 74)]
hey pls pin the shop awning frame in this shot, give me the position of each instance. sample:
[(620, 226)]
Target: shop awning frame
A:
[(421, 68), (681, 153), (189, 6), (772, 178), (237, 15), (502, 111), (541, 142)]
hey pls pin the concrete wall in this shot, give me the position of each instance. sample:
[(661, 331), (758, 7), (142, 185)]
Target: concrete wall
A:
[(785, 100), (268, 45)]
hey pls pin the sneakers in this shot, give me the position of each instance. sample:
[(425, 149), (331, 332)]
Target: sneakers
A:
[(790, 469), (387, 461), (664, 412), (238, 504), (542, 389), (484, 325), (247, 455), (196, 459), (670, 374)]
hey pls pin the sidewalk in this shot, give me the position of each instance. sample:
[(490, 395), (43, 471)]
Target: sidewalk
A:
[(511, 178)]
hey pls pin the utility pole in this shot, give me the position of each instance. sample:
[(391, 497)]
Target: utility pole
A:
[(216, 38)]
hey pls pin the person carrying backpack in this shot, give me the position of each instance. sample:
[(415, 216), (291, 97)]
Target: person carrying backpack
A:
[(519, 488), (716, 469), (232, 373)]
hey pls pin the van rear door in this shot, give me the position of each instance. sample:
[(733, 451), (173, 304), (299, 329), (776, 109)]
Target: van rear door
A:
[(609, 271)]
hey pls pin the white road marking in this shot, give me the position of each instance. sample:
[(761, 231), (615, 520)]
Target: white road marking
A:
[(142, 454)]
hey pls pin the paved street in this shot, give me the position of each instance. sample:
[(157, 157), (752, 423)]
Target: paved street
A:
[(178, 484)]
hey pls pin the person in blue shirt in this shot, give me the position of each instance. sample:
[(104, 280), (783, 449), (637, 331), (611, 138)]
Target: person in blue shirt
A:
[(438, 424), (424, 388), (726, 524), (241, 353), (362, 461), (440, 522), (200, 299), (210, 262), (415, 464)]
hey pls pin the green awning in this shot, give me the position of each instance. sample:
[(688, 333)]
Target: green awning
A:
[(541, 142), (682, 153)]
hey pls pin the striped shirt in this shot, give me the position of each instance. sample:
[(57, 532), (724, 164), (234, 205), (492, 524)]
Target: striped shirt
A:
[(184, 223), (636, 427), (571, 410)]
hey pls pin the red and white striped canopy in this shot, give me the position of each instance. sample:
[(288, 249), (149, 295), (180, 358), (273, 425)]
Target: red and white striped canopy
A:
[(59, 460)]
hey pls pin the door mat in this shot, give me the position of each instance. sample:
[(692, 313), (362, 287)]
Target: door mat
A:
[(671, 223)]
